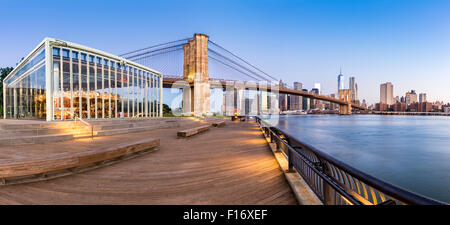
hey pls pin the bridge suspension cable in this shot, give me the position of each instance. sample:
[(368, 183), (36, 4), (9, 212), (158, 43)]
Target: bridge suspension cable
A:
[(154, 46), (159, 53), (243, 60), (156, 50), (234, 68), (237, 64), (168, 58)]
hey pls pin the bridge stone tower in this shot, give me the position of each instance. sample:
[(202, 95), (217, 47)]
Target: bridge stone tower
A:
[(345, 94), (195, 69)]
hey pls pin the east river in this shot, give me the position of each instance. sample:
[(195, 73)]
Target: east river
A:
[(412, 152)]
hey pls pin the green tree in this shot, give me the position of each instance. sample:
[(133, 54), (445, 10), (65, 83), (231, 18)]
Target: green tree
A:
[(3, 73), (167, 111)]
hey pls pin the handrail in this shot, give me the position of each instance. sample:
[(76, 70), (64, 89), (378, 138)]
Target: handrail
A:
[(335, 182), (137, 115), (84, 122)]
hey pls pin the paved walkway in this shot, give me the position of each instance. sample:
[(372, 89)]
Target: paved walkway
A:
[(226, 165)]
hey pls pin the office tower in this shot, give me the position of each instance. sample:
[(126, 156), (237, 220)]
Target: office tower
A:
[(317, 86), (353, 86), (411, 97), (305, 102), (364, 103), (396, 99), (340, 81), (422, 97), (315, 103), (283, 98), (333, 106), (387, 93), (297, 101)]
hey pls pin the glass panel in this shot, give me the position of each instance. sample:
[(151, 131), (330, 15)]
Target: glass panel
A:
[(83, 57), (56, 51), (92, 88), (66, 53), (157, 96), (76, 84), (25, 97), (113, 92), (33, 61), (57, 87), (107, 89), (84, 89), (153, 95), (146, 94), (99, 90), (66, 87), (138, 93), (126, 84), (119, 91), (131, 95), (135, 93)]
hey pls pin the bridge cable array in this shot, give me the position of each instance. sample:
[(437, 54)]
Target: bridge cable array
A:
[(273, 78), (168, 58), (154, 46)]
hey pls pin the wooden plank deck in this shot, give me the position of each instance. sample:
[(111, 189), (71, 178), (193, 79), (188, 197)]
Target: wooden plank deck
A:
[(227, 165)]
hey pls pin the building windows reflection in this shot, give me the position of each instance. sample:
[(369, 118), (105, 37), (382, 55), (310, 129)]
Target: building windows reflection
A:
[(83, 83)]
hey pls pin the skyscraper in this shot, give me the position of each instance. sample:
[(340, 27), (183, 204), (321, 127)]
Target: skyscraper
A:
[(296, 101), (353, 86), (422, 97), (340, 81), (387, 93), (306, 102), (317, 86), (283, 98), (411, 97), (314, 102)]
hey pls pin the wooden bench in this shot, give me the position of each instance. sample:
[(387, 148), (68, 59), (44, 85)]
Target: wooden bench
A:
[(193, 131), (68, 161), (218, 123)]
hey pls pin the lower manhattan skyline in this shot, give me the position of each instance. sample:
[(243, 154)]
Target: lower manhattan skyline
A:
[(403, 42)]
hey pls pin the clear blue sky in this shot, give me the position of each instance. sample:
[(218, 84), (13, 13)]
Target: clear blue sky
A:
[(406, 42)]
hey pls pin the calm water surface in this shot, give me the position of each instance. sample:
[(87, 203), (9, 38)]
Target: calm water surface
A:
[(410, 151)]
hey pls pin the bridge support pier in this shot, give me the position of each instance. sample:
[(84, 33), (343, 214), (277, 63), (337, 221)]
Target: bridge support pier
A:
[(344, 94), (197, 99), (345, 109)]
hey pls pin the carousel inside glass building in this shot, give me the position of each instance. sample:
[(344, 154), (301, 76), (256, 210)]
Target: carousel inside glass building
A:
[(60, 80)]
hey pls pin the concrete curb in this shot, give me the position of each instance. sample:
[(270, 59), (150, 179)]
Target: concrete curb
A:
[(301, 190)]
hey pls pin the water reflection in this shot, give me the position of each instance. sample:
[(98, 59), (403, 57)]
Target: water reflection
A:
[(410, 151)]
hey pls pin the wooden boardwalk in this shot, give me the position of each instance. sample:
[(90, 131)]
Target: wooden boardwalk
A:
[(226, 165)]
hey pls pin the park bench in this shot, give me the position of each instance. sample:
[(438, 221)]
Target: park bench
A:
[(71, 161), (218, 123), (193, 131)]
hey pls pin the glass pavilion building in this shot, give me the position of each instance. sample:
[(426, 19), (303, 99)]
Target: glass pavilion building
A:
[(60, 80)]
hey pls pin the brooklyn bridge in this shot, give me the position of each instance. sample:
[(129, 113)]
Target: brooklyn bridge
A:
[(196, 65)]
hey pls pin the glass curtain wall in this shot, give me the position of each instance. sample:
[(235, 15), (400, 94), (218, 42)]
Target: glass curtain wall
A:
[(25, 91), (84, 84)]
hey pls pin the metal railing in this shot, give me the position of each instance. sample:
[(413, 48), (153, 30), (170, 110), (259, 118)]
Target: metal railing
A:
[(334, 182), (76, 117)]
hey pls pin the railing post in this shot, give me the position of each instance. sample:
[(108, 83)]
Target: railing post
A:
[(328, 192), (290, 161)]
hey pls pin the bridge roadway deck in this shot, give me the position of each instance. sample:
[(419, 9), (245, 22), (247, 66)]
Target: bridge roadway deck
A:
[(168, 82), (226, 165)]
